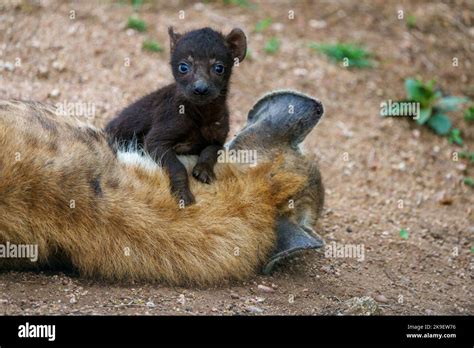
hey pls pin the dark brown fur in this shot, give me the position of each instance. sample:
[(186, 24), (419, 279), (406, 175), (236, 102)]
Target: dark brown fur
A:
[(176, 119)]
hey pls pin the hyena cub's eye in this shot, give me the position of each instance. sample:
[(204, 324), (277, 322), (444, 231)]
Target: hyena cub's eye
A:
[(218, 69), (183, 68)]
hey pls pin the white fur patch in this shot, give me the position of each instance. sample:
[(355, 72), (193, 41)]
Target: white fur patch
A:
[(138, 159)]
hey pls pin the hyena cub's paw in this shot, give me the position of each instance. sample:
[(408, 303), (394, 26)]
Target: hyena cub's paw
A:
[(204, 173), (185, 197)]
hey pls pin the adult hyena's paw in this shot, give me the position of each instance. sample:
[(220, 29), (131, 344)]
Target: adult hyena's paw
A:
[(204, 173)]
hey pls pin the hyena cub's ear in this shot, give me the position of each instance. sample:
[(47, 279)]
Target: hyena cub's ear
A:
[(174, 38), (237, 43)]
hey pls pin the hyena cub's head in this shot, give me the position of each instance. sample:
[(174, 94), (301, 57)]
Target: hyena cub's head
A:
[(202, 61), (276, 126)]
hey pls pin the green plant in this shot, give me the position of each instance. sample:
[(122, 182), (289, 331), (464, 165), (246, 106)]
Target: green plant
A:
[(241, 3), (411, 21), (249, 54), (272, 46), (152, 46), (404, 233), (263, 24), (469, 114), (351, 54), (433, 106), (469, 181), (136, 4), (136, 24), (455, 137), (467, 155)]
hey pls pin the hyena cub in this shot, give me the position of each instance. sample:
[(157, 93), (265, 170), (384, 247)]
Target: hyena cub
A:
[(189, 116)]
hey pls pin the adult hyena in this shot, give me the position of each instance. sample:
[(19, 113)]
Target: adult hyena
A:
[(109, 212)]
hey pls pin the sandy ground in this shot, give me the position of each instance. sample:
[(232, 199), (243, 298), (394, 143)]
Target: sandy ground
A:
[(368, 163)]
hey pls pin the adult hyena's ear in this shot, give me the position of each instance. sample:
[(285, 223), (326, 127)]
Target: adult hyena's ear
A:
[(279, 118), (174, 38), (237, 43)]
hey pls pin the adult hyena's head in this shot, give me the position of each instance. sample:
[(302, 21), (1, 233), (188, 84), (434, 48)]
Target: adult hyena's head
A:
[(275, 128)]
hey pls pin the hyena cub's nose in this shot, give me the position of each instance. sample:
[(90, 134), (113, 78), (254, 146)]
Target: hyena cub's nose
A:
[(200, 87)]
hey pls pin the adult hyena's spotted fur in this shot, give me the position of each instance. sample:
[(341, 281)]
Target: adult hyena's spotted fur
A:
[(110, 215)]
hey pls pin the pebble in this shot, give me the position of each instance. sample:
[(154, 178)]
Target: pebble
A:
[(54, 93), (314, 23), (234, 295), (150, 304), (265, 288), (59, 66), (254, 309), (181, 300), (43, 72), (381, 298)]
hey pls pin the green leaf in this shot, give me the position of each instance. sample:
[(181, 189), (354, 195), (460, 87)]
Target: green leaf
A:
[(241, 3), (469, 181), (425, 114), (466, 154), (272, 46), (263, 24), (469, 114), (136, 23), (422, 93), (455, 137), (354, 55), (411, 21), (440, 123), (412, 88), (152, 46), (450, 103), (136, 4), (404, 233)]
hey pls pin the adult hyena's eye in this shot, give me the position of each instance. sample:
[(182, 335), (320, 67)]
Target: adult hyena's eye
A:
[(183, 68), (218, 69)]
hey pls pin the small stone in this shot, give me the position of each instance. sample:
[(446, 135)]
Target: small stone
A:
[(442, 198), (199, 6), (254, 309), (361, 306), (314, 23), (54, 93), (9, 66), (150, 304), (59, 66), (43, 72), (234, 295), (381, 298), (326, 269), (278, 26), (300, 72), (181, 300), (265, 288), (73, 299)]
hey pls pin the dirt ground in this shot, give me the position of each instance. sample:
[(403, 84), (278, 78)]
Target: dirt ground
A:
[(368, 163)]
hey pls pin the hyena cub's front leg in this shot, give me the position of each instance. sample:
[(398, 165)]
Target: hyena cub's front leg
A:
[(204, 168)]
